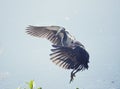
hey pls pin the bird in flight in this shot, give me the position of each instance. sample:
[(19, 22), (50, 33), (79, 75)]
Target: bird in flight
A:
[(67, 52)]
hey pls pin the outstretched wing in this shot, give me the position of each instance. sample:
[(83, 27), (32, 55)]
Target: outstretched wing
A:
[(48, 32), (64, 57)]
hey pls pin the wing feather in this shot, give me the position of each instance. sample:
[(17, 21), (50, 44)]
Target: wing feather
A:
[(48, 32), (63, 56)]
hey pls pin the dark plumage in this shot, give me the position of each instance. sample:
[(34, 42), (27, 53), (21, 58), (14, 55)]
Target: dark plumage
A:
[(67, 53), (76, 58)]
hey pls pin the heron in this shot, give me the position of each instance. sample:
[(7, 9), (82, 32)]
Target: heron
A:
[(67, 52)]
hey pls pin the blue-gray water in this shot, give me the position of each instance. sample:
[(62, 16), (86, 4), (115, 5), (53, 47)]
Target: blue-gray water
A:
[(95, 23)]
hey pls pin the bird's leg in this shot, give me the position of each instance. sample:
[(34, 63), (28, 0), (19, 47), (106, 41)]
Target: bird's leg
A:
[(72, 75), (78, 69)]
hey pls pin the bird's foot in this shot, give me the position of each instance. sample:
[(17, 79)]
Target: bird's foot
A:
[(72, 77)]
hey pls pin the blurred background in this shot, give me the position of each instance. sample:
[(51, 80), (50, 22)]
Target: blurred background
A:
[(95, 23)]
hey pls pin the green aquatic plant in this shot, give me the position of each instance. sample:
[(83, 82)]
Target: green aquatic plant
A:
[(31, 85)]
